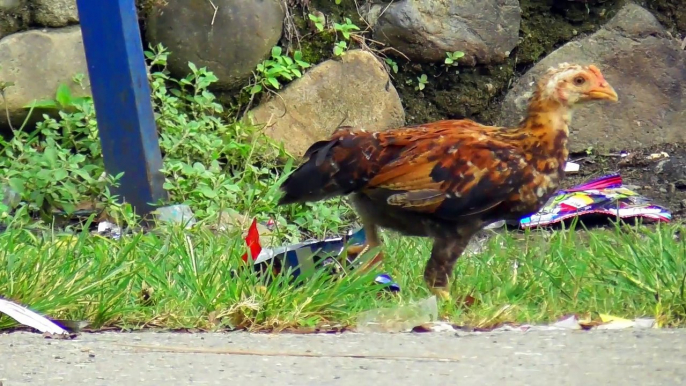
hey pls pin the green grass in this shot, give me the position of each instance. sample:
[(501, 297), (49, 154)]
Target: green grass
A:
[(178, 278)]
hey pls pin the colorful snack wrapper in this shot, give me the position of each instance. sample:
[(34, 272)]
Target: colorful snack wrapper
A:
[(605, 196)]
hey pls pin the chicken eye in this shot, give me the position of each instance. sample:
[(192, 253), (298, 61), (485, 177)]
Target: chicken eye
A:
[(579, 80)]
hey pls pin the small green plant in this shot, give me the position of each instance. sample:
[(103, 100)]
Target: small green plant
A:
[(339, 48), (318, 21), (392, 64), (271, 72), (64, 100), (422, 82), (4, 86), (346, 29), (453, 57)]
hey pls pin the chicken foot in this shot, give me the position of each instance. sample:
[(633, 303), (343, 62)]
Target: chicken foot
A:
[(439, 269), (372, 235)]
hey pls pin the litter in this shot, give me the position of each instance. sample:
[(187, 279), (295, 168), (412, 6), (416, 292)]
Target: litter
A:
[(180, 214), (29, 318), (605, 196), (305, 256), (108, 229), (572, 167), (659, 155), (399, 319)]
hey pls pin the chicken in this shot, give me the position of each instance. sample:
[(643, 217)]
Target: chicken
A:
[(447, 180)]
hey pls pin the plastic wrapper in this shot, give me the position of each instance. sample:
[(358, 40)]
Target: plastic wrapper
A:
[(307, 255), (400, 318), (602, 196)]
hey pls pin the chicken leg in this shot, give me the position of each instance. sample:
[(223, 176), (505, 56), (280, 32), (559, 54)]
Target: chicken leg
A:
[(439, 268), (371, 232)]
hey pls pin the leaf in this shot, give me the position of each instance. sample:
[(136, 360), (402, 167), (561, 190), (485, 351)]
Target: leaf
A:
[(81, 100), (44, 104), (63, 95), (60, 174), (192, 66), (256, 89), (275, 83), (51, 155), (68, 207), (276, 52), (17, 184), (207, 191)]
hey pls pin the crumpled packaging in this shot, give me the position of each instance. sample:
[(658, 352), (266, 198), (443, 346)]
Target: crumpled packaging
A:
[(307, 255), (602, 196)]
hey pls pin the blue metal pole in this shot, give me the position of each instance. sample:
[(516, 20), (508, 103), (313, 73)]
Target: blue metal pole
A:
[(121, 94)]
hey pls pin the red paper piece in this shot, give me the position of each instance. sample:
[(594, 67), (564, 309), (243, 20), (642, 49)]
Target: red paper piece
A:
[(252, 240)]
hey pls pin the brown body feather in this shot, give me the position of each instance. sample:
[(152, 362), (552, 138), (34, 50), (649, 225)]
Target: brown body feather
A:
[(447, 179)]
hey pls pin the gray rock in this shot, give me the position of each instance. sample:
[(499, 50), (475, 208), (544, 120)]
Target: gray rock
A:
[(8, 5), (55, 13), (242, 35), (310, 108), (485, 30), (15, 15), (647, 68), (37, 62)]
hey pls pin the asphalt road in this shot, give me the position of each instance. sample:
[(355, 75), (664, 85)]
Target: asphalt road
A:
[(626, 357)]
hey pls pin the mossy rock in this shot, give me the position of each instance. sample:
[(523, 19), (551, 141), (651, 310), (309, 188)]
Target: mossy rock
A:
[(547, 25), (15, 20), (671, 13)]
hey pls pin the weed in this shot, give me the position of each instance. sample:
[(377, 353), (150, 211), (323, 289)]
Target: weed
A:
[(422, 82), (392, 64), (453, 57), (212, 163), (280, 67), (318, 20)]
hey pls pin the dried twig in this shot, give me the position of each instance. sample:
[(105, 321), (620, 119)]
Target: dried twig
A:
[(3, 86), (214, 15)]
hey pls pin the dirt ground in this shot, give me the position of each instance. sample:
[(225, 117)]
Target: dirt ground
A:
[(663, 180)]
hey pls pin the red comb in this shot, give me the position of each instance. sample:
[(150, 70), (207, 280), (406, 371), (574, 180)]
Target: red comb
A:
[(252, 240), (596, 71)]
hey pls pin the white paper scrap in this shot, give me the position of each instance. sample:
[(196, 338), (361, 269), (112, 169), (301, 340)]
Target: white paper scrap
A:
[(29, 318)]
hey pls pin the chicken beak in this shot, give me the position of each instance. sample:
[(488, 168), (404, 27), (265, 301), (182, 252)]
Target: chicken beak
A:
[(604, 92)]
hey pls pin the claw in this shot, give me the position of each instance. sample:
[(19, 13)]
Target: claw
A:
[(441, 293)]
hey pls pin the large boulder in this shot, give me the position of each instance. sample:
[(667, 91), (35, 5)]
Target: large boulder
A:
[(485, 30), (355, 88), (55, 13), (37, 62), (229, 40), (647, 68)]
